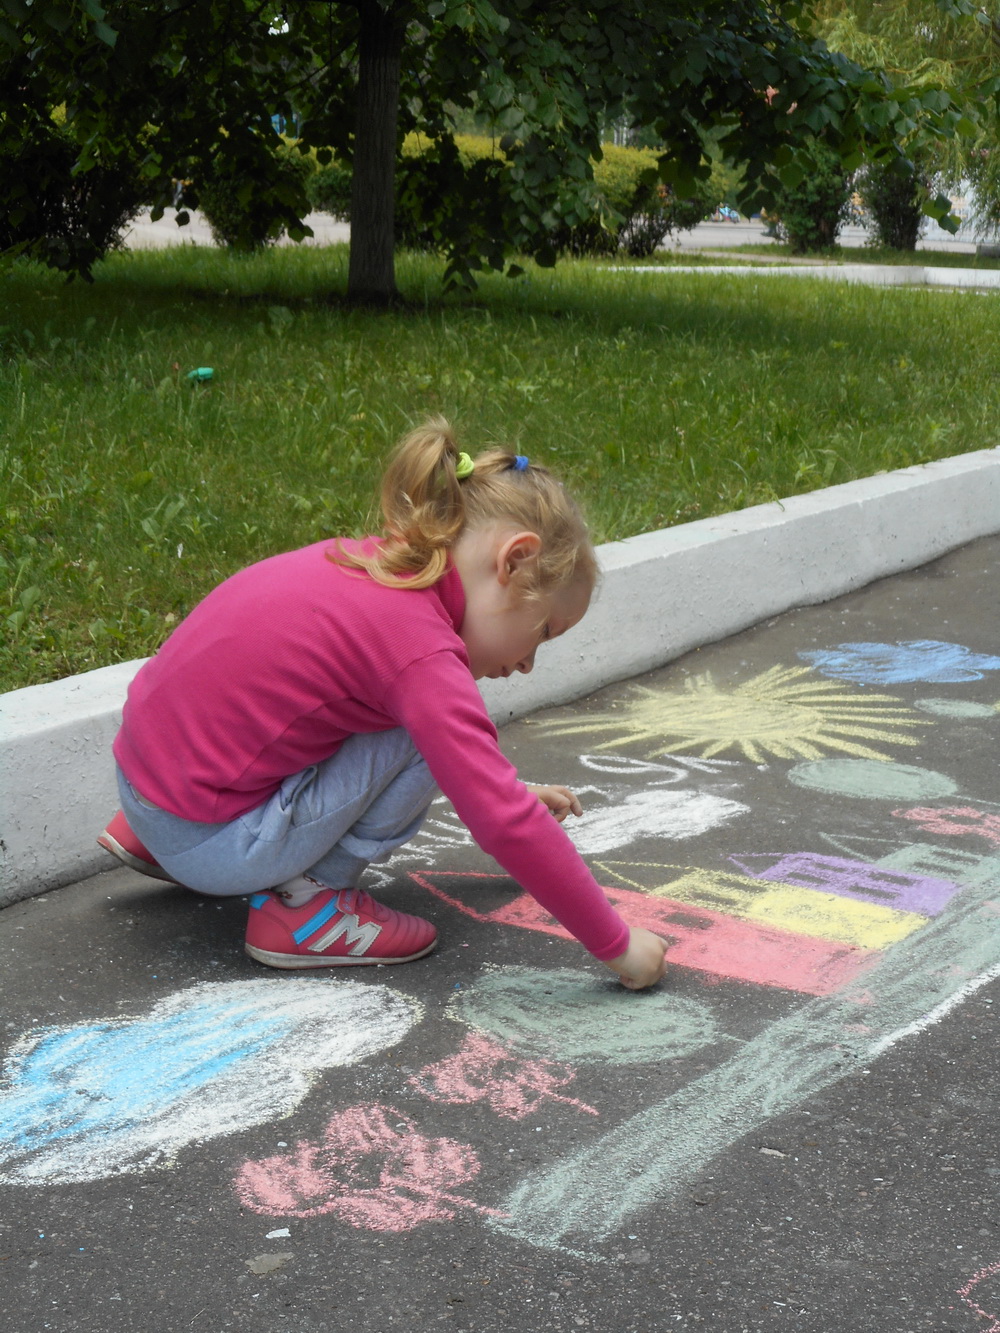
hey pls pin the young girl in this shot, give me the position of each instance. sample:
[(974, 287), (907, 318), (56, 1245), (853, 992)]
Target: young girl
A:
[(297, 724)]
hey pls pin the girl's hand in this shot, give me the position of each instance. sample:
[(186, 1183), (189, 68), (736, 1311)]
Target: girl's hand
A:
[(560, 800), (643, 963)]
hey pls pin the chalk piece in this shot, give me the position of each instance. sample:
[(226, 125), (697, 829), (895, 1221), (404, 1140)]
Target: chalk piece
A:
[(268, 1263)]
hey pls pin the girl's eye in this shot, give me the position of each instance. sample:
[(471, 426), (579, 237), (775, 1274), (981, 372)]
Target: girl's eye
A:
[(545, 632)]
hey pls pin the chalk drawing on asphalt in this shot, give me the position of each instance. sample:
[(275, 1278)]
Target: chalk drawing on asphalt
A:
[(680, 768), (588, 1195), (717, 944), (573, 1016), (916, 660), (957, 708), (123, 1095), (884, 884), (371, 1168), (955, 821), (872, 780), (973, 1285), (784, 713), (484, 1071), (652, 813)]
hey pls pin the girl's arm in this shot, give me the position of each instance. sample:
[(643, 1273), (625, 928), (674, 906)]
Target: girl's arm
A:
[(437, 701), (644, 962)]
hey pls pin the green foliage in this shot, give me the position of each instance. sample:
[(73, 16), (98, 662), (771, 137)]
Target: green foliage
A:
[(189, 90), (228, 196), (629, 210), (941, 49), (813, 208), (328, 190), (893, 202), (633, 211), (68, 221)]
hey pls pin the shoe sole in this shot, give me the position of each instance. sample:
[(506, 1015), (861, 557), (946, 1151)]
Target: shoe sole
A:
[(150, 868), (291, 962)]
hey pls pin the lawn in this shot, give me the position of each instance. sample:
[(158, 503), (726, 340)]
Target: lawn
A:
[(127, 491)]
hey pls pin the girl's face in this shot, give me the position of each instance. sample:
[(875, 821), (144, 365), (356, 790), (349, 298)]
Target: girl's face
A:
[(502, 629)]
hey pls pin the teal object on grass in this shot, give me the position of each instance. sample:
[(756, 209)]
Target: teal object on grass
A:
[(201, 375)]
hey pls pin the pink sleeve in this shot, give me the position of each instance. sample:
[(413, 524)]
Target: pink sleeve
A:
[(437, 701)]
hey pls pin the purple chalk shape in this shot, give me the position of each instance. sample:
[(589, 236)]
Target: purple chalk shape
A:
[(852, 879)]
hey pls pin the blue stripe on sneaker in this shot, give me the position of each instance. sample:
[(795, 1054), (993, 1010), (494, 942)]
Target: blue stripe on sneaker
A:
[(314, 922), (258, 899)]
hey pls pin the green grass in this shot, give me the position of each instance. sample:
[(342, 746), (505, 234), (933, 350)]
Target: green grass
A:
[(126, 493)]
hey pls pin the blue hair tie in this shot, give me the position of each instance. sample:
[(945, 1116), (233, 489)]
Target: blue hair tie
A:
[(520, 463)]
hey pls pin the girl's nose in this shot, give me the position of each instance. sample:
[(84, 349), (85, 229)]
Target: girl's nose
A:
[(526, 663)]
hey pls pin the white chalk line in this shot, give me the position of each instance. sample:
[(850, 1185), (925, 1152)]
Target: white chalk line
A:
[(937, 1013)]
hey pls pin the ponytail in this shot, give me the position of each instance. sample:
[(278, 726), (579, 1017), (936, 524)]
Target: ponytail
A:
[(422, 509), (431, 492)]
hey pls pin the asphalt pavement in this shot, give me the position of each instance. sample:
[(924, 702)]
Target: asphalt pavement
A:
[(798, 1129), (705, 237)]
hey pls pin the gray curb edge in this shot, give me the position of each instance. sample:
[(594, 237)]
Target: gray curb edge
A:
[(662, 594)]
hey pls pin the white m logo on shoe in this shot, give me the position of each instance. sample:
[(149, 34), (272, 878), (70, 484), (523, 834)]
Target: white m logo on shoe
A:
[(347, 926)]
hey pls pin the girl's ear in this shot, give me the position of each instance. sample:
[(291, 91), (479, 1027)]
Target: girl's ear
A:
[(514, 553)]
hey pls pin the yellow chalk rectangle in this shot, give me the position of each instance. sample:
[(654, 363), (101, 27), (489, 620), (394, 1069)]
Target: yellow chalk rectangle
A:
[(827, 916)]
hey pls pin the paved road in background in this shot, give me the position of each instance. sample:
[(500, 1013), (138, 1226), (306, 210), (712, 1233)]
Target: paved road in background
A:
[(798, 1130), (706, 236)]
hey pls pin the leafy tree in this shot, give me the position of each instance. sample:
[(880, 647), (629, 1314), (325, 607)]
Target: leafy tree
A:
[(952, 45), (168, 89), (892, 197)]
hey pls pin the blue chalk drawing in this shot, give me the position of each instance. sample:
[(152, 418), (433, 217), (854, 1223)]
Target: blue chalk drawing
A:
[(928, 660), (99, 1099)]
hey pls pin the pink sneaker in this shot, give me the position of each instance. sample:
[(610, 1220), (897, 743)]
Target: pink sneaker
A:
[(337, 928), (120, 841)]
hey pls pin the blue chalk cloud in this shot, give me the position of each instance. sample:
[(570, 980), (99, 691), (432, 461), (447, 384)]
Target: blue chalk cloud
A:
[(929, 660), (99, 1099)]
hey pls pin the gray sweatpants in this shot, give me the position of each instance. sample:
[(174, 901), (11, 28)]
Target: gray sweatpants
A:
[(329, 822)]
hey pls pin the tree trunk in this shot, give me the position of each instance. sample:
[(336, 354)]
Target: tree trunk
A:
[(371, 276)]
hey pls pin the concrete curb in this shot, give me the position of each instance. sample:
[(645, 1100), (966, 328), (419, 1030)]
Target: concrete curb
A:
[(663, 593), (870, 275)]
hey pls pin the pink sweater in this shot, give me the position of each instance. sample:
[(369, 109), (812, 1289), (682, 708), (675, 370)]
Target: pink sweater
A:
[(281, 663)]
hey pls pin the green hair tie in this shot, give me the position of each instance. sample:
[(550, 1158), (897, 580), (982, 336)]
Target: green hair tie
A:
[(464, 467)]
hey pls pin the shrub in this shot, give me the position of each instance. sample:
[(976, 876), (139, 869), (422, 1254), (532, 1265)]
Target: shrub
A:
[(892, 203), (811, 214), (630, 214), (633, 211), (243, 208), (328, 190), (67, 221)]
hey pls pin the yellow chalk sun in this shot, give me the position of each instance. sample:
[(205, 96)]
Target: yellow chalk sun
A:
[(784, 713)]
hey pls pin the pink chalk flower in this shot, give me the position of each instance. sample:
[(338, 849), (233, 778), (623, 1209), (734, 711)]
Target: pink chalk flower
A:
[(372, 1169), (485, 1071)]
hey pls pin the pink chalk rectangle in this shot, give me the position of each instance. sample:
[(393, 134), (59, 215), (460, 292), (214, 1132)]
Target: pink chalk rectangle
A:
[(706, 941)]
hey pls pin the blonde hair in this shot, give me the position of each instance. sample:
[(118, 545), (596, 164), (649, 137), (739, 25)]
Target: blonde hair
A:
[(426, 508)]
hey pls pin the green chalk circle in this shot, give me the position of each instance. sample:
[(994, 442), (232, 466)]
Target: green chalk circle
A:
[(872, 780), (567, 1015), (955, 708)]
